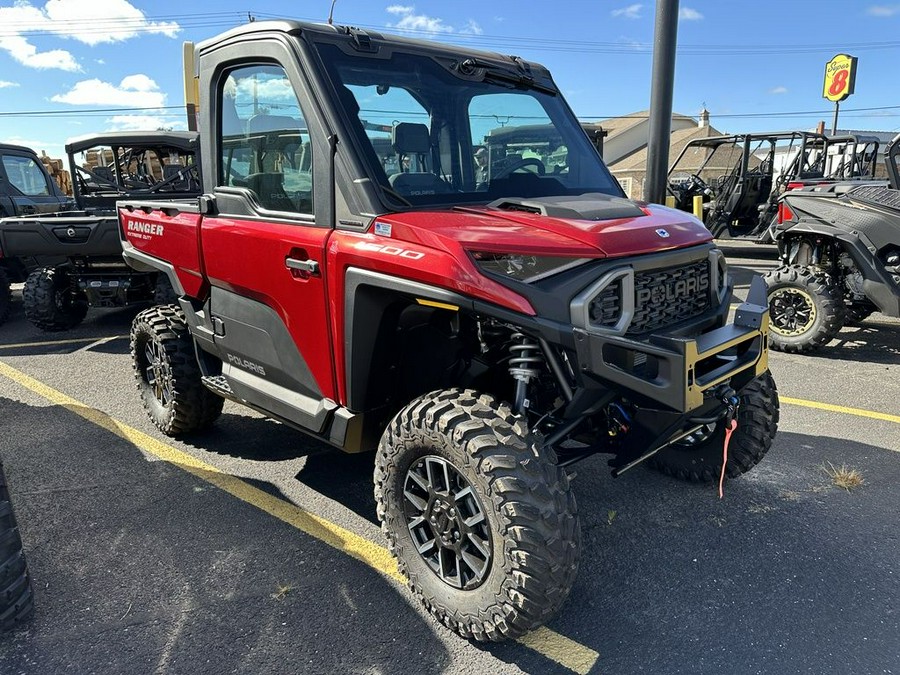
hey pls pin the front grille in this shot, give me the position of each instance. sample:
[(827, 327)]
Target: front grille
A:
[(668, 296)]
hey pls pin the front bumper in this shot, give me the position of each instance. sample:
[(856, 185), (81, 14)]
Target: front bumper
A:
[(677, 371)]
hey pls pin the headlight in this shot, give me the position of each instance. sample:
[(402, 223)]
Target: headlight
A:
[(522, 267)]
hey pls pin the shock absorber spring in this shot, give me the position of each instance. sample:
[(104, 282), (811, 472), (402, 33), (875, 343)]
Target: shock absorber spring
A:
[(525, 362)]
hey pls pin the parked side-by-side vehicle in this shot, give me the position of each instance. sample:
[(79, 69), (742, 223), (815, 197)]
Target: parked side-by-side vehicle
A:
[(358, 269), (74, 257)]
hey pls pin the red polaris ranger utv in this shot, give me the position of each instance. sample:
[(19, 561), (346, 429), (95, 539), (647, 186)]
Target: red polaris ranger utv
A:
[(359, 269)]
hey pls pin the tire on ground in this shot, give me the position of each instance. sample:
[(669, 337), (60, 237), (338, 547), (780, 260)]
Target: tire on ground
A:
[(533, 541), (806, 309), (168, 375), (50, 303), (16, 595), (5, 296), (701, 461)]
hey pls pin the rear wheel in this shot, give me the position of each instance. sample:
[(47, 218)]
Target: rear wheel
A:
[(167, 373), (50, 302), (698, 458), (5, 296), (16, 595), (806, 309), (477, 513)]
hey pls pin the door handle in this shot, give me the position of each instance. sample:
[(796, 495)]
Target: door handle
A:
[(309, 266)]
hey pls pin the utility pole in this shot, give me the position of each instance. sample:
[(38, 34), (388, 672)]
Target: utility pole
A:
[(664, 42)]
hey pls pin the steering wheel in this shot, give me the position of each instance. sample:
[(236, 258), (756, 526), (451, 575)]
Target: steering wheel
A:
[(519, 164)]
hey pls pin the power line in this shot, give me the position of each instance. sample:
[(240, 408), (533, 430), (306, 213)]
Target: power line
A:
[(497, 42)]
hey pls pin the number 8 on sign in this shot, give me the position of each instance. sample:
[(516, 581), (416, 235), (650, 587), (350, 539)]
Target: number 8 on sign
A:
[(840, 77)]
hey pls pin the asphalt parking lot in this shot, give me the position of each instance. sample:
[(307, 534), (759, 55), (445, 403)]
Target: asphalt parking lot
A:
[(252, 549)]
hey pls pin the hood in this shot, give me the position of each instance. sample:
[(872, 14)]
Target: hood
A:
[(591, 225)]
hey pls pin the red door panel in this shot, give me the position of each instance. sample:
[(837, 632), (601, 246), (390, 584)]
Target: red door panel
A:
[(249, 258)]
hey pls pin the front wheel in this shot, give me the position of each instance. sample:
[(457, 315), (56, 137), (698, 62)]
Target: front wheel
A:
[(50, 302), (168, 376), (478, 515), (806, 309), (698, 457)]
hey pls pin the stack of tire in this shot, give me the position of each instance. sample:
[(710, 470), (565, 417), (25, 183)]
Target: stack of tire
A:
[(16, 595)]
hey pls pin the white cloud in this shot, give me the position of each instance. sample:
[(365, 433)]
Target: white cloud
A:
[(91, 22), (778, 90), (4, 84), (137, 91), (144, 123), (629, 12), (55, 150), (883, 10), (27, 54), (423, 23), (688, 14), (472, 28)]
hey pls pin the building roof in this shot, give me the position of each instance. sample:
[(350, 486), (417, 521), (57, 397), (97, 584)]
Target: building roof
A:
[(617, 125), (637, 161)]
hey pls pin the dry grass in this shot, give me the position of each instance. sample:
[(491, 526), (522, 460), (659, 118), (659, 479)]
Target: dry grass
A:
[(843, 476), (281, 592)]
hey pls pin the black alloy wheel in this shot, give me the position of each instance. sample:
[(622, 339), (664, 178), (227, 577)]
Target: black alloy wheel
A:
[(447, 522)]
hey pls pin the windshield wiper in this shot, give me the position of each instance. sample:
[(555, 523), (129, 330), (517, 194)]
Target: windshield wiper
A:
[(521, 80)]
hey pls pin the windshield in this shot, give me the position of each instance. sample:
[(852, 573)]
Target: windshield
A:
[(431, 137)]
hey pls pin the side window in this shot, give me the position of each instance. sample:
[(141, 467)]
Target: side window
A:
[(26, 176), (265, 142)]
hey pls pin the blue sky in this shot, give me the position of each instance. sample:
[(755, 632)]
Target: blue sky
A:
[(747, 62)]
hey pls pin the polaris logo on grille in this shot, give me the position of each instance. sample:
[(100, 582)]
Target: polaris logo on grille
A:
[(673, 290), (663, 233)]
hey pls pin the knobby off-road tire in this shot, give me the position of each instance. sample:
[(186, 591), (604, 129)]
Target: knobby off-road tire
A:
[(483, 461), (50, 303), (806, 309), (167, 373), (698, 458), (16, 595), (5, 296)]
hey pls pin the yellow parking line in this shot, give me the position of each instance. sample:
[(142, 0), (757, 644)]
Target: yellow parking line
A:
[(841, 409), (568, 653), (71, 341)]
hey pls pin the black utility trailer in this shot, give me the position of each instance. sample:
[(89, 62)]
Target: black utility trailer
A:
[(76, 256)]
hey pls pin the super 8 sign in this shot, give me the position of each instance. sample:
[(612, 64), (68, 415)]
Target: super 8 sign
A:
[(840, 77)]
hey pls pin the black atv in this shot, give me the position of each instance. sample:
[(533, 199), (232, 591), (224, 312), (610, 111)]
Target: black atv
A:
[(840, 253)]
